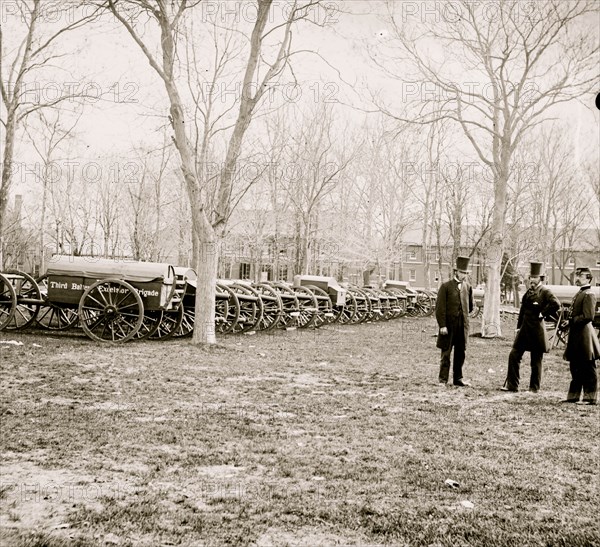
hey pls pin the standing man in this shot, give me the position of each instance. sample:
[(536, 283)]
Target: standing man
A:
[(453, 305), (583, 347), (537, 304)]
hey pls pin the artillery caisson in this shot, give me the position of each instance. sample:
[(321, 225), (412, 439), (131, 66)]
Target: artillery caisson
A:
[(117, 301), (114, 301)]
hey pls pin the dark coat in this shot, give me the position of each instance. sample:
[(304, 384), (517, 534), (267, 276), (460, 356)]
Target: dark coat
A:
[(582, 344), (537, 304), (450, 304)]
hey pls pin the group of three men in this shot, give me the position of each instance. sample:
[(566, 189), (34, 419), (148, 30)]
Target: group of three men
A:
[(455, 303)]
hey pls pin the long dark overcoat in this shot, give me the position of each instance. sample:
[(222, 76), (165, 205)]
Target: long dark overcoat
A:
[(449, 305), (537, 304), (582, 344)]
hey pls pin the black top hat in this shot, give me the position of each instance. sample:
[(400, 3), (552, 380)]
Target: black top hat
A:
[(535, 269), (462, 264), (583, 270)]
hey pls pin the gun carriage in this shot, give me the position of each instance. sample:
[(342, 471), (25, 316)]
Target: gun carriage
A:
[(123, 300)]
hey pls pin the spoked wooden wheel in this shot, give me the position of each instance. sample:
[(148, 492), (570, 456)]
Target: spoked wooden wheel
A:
[(363, 306), (27, 292), (425, 304), (227, 309), (400, 297), (324, 309), (111, 310), (251, 308), (272, 306), (8, 302), (187, 323), (171, 321), (308, 307), (290, 306), (50, 316), (345, 314), (150, 324)]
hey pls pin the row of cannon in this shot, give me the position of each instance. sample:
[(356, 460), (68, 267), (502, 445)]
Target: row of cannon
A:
[(122, 301)]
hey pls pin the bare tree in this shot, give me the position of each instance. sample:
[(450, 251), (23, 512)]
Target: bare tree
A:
[(315, 162), (516, 66), (21, 67), (46, 141), (169, 18)]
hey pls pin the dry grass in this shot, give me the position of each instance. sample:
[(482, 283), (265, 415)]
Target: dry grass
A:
[(339, 436)]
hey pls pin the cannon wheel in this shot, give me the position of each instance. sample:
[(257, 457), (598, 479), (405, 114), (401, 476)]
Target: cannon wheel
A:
[(272, 306), (400, 297), (375, 305), (186, 328), (111, 310), (8, 302), (425, 304), (251, 309), (394, 305), (53, 317), (150, 324), (324, 313), (25, 314), (345, 314), (308, 307), (169, 324), (290, 306), (227, 309), (363, 306)]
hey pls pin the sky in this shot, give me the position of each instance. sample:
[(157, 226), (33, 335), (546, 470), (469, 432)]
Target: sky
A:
[(131, 112)]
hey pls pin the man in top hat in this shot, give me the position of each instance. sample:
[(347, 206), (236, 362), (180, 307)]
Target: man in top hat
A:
[(453, 304), (538, 303), (583, 347)]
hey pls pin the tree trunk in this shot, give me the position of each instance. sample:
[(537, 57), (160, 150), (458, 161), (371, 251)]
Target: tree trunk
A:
[(7, 166), (490, 323), (206, 266)]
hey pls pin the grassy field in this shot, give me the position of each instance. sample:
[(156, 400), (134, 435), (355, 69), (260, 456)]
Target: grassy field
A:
[(340, 436)]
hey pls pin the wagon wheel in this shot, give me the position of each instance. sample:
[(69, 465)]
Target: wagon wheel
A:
[(363, 306), (8, 302), (394, 305), (227, 309), (388, 305), (111, 310), (272, 306), (324, 309), (251, 308), (344, 314), (376, 309), (290, 305), (424, 304), (50, 316), (169, 325), (401, 299), (186, 328), (308, 307), (150, 324), (25, 288)]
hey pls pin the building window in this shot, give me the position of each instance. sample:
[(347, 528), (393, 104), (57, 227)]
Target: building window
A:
[(571, 261), (244, 270), (412, 275), (412, 255)]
